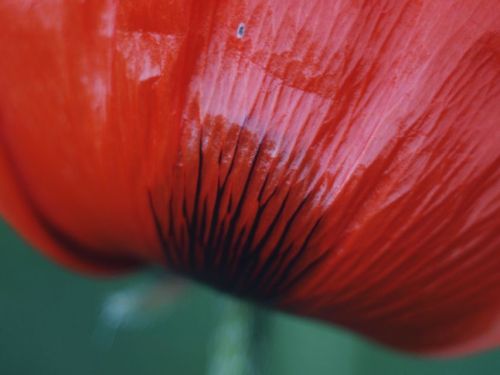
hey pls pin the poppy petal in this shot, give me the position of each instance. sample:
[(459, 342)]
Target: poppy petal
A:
[(336, 159)]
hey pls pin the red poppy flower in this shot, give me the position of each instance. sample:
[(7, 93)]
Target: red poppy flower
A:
[(336, 159)]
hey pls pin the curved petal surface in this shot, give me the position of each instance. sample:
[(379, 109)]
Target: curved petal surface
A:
[(336, 159)]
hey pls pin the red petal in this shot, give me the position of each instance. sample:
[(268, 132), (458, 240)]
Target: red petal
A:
[(336, 159)]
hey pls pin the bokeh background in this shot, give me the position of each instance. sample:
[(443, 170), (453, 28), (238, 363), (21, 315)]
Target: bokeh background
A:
[(54, 322)]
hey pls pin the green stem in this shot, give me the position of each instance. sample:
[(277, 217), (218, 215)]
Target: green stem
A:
[(236, 346)]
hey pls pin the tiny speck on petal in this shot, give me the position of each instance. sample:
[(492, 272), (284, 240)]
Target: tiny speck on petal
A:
[(240, 31)]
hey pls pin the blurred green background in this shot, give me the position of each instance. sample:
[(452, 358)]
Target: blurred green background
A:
[(54, 322)]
